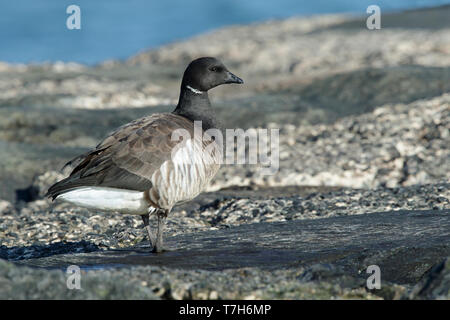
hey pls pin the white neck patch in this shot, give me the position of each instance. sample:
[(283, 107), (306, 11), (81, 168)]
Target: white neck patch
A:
[(194, 90)]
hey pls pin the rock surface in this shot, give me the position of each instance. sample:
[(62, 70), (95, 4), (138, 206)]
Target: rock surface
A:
[(352, 242), (270, 255), (363, 179)]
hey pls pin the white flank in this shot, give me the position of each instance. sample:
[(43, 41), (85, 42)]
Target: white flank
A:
[(194, 90), (107, 199)]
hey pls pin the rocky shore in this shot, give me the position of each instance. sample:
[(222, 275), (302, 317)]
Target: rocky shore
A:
[(363, 179)]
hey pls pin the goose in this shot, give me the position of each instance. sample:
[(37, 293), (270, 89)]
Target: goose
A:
[(151, 164)]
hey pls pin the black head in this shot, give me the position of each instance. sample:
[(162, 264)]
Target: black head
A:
[(206, 73)]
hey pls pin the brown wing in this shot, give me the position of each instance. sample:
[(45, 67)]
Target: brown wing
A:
[(128, 157)]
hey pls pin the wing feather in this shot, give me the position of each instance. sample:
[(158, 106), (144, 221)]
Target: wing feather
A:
[(128, 157)]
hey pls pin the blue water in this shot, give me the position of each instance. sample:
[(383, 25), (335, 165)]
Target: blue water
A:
[(35, 30)]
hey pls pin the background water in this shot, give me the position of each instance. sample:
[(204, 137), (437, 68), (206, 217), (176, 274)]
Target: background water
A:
[(35, 30)]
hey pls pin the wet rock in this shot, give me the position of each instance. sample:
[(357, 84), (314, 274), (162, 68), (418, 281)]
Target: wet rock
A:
[(353, 242), (321, 258), (436, 285), (155, 282), (26, 283)]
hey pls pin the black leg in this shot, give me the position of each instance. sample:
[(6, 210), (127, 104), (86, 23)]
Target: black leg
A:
[(162, 216), (151, 237)]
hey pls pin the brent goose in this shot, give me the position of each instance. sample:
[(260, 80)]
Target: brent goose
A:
[(141, 169)]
